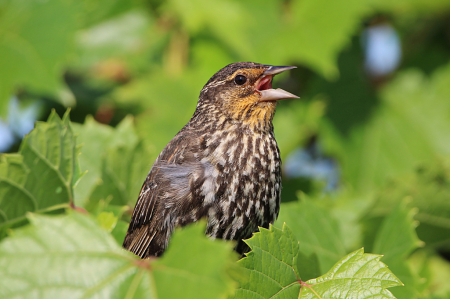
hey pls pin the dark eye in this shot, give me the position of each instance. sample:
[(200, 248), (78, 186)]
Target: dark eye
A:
[(240, 79)]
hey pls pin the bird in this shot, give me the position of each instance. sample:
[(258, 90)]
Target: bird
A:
[(223, 165)]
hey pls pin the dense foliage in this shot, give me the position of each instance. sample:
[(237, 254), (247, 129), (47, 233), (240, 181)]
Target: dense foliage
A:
[(137, 67)]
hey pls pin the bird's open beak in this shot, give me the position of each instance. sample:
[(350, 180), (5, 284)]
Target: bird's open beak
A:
[(264, 85)]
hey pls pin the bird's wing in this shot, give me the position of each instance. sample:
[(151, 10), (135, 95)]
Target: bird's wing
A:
[(166, 196)]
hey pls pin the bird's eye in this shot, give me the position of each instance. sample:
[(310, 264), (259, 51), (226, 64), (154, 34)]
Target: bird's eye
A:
[(240, 79)]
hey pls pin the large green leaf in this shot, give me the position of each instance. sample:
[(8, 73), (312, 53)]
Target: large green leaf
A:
[(358, 275), (15, 200), (272, 33), (169, 100), (316, 230), (271, 266), (428, 191), (409, 128), (396, 240), (397, 236), (311, 40), (71, 256), (36, 38), (115, 44), (438, 275), (300, 117), (272, 271), (412, 6), (194, 266), (40, 177), (116, 161)]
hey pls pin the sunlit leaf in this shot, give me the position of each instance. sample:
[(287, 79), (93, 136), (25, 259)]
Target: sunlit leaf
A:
[(170, 102), (71, 256), (273, 272), (194, 266), (316, 230), (36, 38), (271, 266), (115, 161), (356, 272), (40, 177), (396, 240), (408, 129), (427, 190)]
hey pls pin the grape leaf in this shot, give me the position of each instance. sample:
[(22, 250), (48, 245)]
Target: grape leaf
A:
[(168, 108), (40, 177), (396, 239), (321, 53), (194, 266), (115, 160), (35, 40), (225, 19), (303, 117), (358, 275), (317, 231), (411, 6), (428, 191), (271, 266), (94, 139), (120, 39), (271, 272), (71, 256), (107, 220), (409, 128), (439, 276)]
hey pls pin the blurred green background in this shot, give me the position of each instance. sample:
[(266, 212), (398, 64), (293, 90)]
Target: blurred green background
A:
[(372, 127)]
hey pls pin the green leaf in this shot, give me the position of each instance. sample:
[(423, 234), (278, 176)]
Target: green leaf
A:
[(15, 200), (40, 177), (168, 109), (358, 275), (36, 38), (439, 269), (300, 117), (226, 19), (118, 40), (409, 128), (107, 220), (194, 264), (396, 240), (397, 236), (120, 230), (71, 256), (419, 7), (74, 244), (94, 12), (116, 163), (271, 266), (94, 138), (307, 25), (428, 191), (223, 18), (316, 230), (49, 152), (348, 209), (271, 271)]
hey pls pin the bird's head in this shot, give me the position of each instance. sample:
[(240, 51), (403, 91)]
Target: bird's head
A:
[(243, 92)]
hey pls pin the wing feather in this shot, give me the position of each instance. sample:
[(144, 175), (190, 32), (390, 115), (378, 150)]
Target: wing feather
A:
[(167, 189)]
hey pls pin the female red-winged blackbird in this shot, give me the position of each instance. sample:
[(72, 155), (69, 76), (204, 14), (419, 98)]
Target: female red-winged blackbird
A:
[(224, 164)]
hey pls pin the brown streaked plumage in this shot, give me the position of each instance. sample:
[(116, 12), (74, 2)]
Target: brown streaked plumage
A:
[(224, 164)]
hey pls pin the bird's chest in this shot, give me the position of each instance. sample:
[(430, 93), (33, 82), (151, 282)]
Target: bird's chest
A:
[(246, 184)]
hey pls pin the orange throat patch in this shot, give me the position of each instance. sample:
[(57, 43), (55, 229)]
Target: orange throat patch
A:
[(257, 115)]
